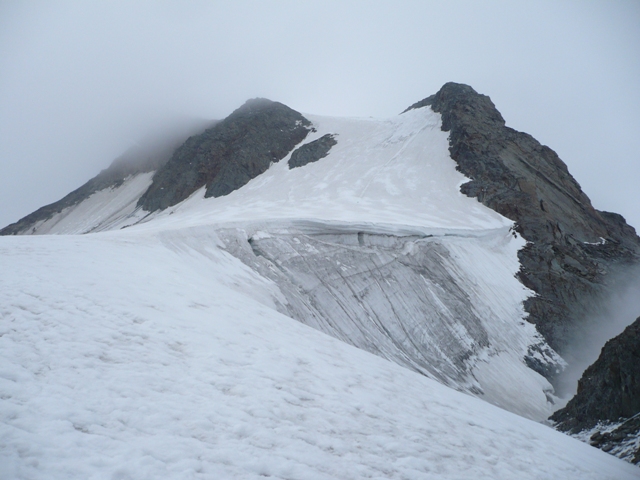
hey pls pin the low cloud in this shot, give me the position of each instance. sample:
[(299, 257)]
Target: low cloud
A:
[(621, 309)]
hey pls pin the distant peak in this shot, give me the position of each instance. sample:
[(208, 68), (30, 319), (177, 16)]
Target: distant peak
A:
[(256, 105), (228, 155), (448, 90), (258, 102)]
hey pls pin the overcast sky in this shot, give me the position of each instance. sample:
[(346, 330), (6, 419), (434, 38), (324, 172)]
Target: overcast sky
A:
[(82, 81)]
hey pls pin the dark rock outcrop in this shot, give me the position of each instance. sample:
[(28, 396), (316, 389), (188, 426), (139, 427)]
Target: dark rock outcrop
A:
[(621, 441), (572, 247), (608, 392), (312, 151), (227, 156)]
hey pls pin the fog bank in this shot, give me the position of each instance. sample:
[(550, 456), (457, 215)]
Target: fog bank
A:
[(621, 309)]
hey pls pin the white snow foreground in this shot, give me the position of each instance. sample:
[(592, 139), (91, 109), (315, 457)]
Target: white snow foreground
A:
[(131, 355)]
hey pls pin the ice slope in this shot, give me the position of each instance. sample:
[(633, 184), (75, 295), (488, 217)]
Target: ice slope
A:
[(447, 306), (134, 355)]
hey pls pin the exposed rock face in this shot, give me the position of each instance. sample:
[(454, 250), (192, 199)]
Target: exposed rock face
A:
[(572, 246), (227, 156), (572, 252), (312, 151), (608, 392), (622, 441)]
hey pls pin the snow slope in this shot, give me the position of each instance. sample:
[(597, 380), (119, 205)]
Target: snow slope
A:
[(389, 178), (105, 209), (394, 171), (447, 306), (133, 355), (374, 245), (168, 349)]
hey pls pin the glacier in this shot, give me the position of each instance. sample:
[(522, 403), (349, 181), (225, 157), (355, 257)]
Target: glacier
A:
[(386, 200), (132, 355), (180, 345)]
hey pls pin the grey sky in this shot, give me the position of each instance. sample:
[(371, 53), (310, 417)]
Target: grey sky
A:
[(81, 81)]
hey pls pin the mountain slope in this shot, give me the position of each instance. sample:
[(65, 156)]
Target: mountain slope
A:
[(359, 228), (572, 248), (228, 155), (109, 199), (375, 246), (132, 354)]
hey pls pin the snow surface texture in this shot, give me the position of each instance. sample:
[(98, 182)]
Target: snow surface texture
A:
[(128, 355)]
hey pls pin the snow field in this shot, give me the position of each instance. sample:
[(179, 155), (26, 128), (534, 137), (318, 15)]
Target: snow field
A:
[(133, 355), (394, 171), (487, 268)]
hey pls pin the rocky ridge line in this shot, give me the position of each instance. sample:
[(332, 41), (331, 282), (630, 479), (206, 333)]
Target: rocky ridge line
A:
[(573, 259), (572, 248), (148, 155)]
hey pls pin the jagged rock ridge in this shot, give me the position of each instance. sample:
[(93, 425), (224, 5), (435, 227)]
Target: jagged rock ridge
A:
[(572, 246), (570, 260)]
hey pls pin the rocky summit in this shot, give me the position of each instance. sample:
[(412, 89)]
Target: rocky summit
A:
[(572, 249), (228, 155)]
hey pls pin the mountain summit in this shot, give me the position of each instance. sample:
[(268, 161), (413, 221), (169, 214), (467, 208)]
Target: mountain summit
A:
[(440, 240), (228, 155)]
